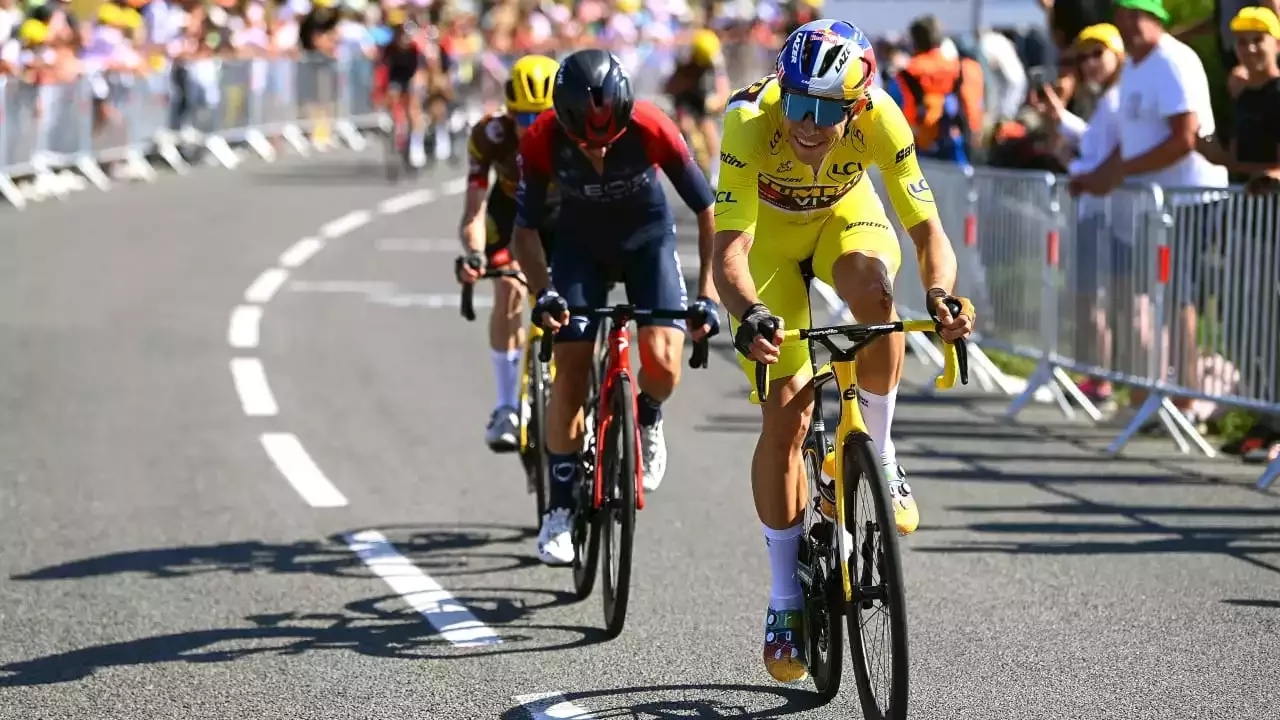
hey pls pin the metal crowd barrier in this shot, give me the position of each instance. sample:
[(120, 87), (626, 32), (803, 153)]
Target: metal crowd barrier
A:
[(1175, 292), (115, 119)]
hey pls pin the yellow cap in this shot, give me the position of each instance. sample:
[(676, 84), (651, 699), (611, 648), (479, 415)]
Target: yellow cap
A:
[(109, 15), (529, 89), (130, 19), (1104, 34), (706, 47), (33, 32), (1256, 19)]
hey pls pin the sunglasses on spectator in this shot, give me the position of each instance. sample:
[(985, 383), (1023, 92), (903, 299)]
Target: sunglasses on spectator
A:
[(825, 112)]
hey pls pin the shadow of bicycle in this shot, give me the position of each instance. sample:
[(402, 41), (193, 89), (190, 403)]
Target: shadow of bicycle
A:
[(477, 556), (690, 701)]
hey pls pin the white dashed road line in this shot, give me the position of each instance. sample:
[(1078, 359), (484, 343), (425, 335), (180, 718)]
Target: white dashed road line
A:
[(251, 384), (301, 252), (545, 706), (449, 617), (292, 460), (400, 203), (345, 224), (242, 331), (265, 287)]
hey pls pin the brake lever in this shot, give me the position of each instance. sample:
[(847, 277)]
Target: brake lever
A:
[(962, 347)]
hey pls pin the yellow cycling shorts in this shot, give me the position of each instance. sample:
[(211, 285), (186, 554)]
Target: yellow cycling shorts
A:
[(857, 224)]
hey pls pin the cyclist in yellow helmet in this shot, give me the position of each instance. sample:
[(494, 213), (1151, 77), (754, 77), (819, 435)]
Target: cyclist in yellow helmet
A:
[(486, 229), (699, 88)]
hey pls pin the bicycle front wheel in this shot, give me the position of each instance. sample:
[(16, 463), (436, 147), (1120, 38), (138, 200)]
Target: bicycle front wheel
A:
[(877, 615), (618, 514)]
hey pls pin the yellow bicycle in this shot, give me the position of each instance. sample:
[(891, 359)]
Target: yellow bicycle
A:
[(869, 582), (535, 385)]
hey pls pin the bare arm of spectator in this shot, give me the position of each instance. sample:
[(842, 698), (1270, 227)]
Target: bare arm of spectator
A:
[(1183, 137)]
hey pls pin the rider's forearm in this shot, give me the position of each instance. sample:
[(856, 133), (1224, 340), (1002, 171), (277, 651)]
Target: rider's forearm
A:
[(934, 254), (706, 253), (532, 260), (472, 229), (732, 273)]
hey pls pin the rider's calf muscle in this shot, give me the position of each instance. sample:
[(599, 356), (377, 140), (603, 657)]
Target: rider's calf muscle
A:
[(660, 350)]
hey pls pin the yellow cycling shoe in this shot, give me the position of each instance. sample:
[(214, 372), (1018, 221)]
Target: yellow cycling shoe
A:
[(905, 513), (784, 646), (904, 503)]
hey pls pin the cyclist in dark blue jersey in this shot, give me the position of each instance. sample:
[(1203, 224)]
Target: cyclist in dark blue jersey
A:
[(602, 149)]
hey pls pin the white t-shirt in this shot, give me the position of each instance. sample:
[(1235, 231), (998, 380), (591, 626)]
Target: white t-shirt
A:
[(1169, 81)]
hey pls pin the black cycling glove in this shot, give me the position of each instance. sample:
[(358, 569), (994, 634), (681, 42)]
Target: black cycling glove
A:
[(705, 311), (757, 321), (549, 302)]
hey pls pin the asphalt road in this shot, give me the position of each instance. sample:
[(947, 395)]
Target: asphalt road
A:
[(158, 562)]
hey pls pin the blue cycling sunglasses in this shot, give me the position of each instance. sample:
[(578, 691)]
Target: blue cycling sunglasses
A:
[(524, 120), (825, 112)]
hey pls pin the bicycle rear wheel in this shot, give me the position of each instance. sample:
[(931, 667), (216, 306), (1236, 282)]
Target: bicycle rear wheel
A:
[(878, 613), (823, 596), (618, 516)]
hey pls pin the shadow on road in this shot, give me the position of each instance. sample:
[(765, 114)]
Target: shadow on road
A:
[(1268, 604), (1139, 535), (700, 701), (477, 555)]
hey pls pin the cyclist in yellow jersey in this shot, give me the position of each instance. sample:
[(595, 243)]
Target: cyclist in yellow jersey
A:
[(793, 203)]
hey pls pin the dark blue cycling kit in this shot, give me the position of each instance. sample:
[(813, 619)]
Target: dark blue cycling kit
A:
[(616, 225)]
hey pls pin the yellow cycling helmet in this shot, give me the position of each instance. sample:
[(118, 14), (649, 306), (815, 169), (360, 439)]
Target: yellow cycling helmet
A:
[(529, 89), (705, 46)]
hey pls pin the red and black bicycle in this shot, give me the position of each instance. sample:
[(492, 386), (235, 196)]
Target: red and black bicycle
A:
[(611, 491)]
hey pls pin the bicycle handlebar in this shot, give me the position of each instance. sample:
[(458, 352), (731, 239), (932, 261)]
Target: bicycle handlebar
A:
[(955, 354), (468, 289), (627, 313)]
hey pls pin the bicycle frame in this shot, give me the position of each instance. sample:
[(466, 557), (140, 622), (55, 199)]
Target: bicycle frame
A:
[(616, 366), (843, 368)]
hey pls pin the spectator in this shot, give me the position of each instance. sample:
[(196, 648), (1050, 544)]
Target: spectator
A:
[(10, 20), (1006, 86), (1254, 151), (1254, 148), (1165, 109), (1066, 20), (941, 96), (1098, 256), (1220, 20)]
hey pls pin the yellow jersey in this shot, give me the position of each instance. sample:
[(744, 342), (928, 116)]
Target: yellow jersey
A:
[(762, 180)]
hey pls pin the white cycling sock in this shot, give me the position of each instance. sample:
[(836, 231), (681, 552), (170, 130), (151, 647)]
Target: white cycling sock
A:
[(784, 547), (877, 413), (506, 374)]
